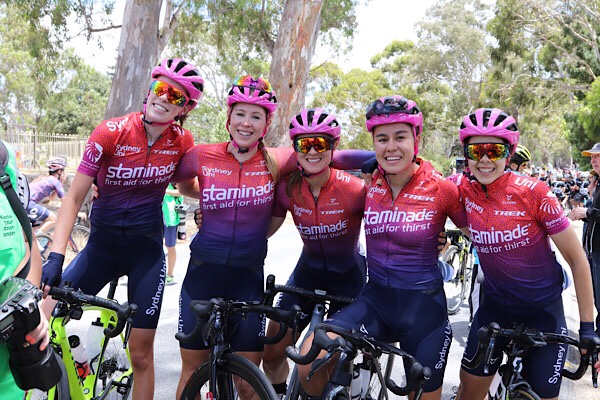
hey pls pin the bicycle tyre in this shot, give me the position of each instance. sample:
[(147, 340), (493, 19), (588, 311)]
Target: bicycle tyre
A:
[(456, 287), (58, 392), (77, 241), (44, 242), (233, 365), (114, 376), (524, 394)]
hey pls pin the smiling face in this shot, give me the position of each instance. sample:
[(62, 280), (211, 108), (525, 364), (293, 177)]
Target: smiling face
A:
[(314, 162), (395, 146), (159, 109), (485, 170), (247, 122)]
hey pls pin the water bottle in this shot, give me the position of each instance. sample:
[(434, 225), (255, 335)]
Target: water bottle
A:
[(78, 352), (355, 385), (94, 344)]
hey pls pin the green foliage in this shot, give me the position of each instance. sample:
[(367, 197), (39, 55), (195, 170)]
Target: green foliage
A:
[(78, 108)]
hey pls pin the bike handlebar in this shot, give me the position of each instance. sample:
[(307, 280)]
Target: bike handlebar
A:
[(319, 295), (527, 339), (348, 342), (203, 310), (76, 298)]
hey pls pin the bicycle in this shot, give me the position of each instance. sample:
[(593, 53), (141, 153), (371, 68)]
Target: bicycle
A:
[(459, 256), (77, 241), (225, 372), (349, 344), (321, 300), (111, 374), (508, 383)]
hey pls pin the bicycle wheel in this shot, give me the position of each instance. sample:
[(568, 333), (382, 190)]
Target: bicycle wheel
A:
[(58, 392), (234, 372), (77, 241), (44, 242), (456, 287), (380, 369), (524, 394), (114, 376)]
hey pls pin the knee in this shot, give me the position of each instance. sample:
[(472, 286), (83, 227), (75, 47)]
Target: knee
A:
[(141, 359), (272, 358)]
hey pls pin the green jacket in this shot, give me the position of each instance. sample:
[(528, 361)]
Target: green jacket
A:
[(12, 251)]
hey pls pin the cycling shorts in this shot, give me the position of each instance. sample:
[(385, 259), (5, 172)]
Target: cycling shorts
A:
[(417, 319), (37, 213), (540, 364), (347, 284), (108, 256), (204, 281), (171, 236)]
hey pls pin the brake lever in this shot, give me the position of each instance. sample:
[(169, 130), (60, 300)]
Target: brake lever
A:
[(320, 363)]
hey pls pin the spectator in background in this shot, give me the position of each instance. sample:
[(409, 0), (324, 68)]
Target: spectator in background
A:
[(42, 187), (171, 220), (591, 239), (520, 160)]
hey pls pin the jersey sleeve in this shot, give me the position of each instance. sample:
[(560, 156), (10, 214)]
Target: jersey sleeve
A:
[(550, 213), (97, 149), (189, 165), (60, 190), (351, 159), (282, 201)]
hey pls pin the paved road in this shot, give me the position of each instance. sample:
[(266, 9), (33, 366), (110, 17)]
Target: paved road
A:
[(284, 249)]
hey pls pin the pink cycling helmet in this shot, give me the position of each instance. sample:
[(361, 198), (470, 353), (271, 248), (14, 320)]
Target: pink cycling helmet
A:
[(394, 109), (247, 89), (183, 73), (315, 120), (490, 122)]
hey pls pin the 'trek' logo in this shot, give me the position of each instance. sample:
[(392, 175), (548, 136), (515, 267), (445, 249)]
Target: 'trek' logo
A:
[(509, 213)]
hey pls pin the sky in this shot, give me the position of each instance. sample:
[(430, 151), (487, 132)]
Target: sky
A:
[(379, 22)]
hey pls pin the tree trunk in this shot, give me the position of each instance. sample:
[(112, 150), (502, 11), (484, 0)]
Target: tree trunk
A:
[(292, 56), (139, 50)]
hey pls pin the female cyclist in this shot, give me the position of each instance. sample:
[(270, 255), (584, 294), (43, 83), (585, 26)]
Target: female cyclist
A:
[(511, 218), (318, 196), (132, 159), (236, 187), (43, 187), (406, 208)]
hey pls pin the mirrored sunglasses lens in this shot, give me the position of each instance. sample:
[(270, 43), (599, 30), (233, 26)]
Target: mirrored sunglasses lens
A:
[(304, 145), (174, 96), (494, 151)]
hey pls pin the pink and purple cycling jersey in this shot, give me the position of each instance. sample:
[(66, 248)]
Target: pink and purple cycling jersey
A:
[(44, 187), (402, 233), (510, 220), (330, 225), (131, 176), (237, 200)]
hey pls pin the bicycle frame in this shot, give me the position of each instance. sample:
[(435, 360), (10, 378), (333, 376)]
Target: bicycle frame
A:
[(82, 390)]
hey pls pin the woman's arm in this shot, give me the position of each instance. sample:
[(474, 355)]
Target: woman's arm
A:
[(189, 188), (569, 246), (68, 211), (276, 223)]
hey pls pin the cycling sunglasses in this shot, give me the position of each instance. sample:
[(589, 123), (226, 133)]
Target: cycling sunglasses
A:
[(247, 81), (389, 105), (319, 143), (494, 151), (174, 95)]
